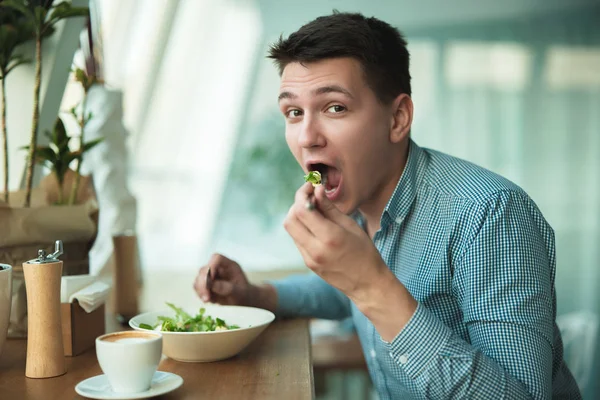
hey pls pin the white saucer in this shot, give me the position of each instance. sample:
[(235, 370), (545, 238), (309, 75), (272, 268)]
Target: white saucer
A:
[(98, 387)]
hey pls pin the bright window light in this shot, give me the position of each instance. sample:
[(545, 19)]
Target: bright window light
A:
[(572, 67), (499, 65)]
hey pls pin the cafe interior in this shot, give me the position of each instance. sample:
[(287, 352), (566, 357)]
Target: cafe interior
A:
[(160, 142)]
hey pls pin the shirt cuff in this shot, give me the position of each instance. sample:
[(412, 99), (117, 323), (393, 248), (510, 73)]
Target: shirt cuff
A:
[(419, 342)]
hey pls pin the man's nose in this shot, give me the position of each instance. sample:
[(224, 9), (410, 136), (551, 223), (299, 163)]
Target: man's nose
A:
[(310, 134)]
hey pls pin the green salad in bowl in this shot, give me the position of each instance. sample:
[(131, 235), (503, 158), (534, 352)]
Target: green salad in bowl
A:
[(205, 332), (184, 322)]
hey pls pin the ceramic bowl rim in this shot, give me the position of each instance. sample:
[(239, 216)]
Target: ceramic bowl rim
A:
[(270, 319)]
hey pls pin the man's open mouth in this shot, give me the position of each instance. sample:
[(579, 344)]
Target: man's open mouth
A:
[(331, 178)]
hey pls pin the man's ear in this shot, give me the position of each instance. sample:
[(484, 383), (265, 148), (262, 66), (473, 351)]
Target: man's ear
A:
[(402, 115)]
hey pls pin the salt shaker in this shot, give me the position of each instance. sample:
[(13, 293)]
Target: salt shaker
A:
[(45, 354)]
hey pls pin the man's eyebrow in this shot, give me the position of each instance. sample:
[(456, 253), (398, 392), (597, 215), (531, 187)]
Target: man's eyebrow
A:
[(286, 95), (333, 89), (318, 91)]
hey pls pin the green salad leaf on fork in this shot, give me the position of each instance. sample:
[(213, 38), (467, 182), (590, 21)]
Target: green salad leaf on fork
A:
[(184, 322), (313, 177)]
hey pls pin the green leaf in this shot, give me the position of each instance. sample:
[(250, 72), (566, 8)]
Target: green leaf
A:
[(69, 157), (313, 177), (65, 10), (18, 6), (199, 323), (146, 326), (180, 313), (80, 75), (57, 154), (14, 62), (14, 31), (91, 144), (45, 154), (59, 136), (40, 17)]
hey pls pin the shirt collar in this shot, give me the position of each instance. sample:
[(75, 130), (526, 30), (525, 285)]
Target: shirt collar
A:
[(406, 190)]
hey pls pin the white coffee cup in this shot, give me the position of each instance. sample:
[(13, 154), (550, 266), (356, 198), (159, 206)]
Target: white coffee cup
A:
[(5, 301), (129, 359)]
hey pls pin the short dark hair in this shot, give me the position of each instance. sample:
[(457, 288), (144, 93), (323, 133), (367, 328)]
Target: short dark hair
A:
[(379, 47)]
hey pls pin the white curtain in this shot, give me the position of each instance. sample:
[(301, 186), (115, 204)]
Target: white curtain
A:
[(164, 55)]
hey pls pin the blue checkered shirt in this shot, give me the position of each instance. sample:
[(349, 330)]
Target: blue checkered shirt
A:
[(478, 256)]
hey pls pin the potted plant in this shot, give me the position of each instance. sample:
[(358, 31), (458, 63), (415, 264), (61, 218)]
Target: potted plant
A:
[(62, 185), (14, 31), (63, 206)]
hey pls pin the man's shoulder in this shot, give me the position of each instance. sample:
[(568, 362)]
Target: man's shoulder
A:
[(457, 178)]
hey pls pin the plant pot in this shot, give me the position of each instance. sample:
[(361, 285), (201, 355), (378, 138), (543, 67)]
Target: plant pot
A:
[(5, 301)]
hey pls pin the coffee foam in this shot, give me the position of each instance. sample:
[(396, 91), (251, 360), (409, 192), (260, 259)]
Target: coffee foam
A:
[(129, 337)]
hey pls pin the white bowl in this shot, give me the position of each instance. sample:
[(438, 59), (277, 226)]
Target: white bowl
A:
[(210, 346)]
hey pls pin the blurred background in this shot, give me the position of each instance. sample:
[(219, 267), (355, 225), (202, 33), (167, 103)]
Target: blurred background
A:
[(513, 86)]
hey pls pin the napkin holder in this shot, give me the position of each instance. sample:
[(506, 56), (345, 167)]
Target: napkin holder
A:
[(79, 327)]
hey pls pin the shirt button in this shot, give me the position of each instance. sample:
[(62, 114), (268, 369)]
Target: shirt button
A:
[(373, 354), (403, 359)]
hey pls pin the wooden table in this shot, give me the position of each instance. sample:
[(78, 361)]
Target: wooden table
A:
[(277, 365), (338, 353)]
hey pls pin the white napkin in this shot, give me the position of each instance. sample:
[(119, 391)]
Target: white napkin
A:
[(92, 296), (73, 283), (89, 292)]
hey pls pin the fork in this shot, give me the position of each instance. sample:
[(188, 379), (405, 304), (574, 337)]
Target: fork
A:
[(310, 203), (209, 281)]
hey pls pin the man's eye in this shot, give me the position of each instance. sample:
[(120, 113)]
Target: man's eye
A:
[(293, 113), (336, 109)]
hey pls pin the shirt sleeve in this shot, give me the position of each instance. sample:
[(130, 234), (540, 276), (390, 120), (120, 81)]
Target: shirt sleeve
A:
[(504, 286), (310, 296)]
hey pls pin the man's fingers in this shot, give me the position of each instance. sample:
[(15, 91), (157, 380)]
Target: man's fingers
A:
[(308, 259), (305, 190), (221, 266), (330, 211), (303, 238), (315, 222), (222, 288), (301, 235), (218, 261), (200, 284), (304, 195)]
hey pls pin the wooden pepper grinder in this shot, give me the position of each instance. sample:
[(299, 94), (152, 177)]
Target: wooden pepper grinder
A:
[(45, 354)]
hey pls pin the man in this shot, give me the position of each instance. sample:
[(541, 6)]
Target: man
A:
[(446, 268)]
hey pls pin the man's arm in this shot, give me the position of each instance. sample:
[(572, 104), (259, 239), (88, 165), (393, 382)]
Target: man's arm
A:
[(504, 285), (308, 296)]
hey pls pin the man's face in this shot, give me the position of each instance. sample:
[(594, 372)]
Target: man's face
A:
[(335, 124)]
